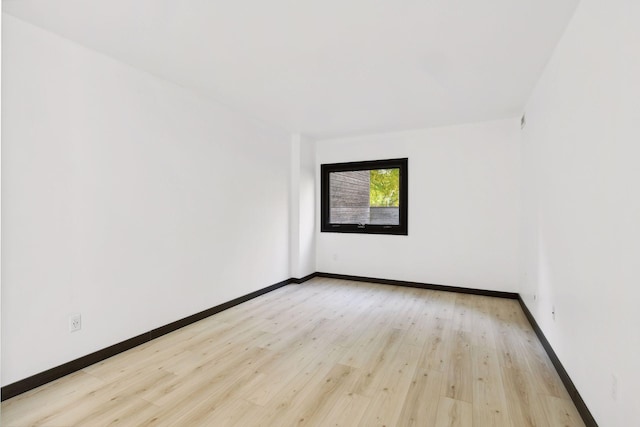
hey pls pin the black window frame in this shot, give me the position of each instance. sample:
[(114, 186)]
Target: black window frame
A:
[(400, 229)]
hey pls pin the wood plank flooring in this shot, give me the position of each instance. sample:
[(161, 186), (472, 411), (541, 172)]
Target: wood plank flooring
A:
[(324, 353)]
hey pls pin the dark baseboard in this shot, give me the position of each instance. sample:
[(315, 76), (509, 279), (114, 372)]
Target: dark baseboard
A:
[(304, 279), (588, 419), (483, 292), (53, 374)]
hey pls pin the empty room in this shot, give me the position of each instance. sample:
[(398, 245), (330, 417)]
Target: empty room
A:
[(320, 213)]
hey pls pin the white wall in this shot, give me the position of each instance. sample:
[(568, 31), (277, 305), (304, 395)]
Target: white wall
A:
[(126, 199), (302, 207), (463, 208), (581, 222)]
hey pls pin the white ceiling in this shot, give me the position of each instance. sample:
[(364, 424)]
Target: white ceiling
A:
[(328, 67)]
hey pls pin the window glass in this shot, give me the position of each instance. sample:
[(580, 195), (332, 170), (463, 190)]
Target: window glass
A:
[(365, 197)]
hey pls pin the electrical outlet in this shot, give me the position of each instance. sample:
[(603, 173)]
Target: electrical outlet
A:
[(553, 312), (75, 322), (614, 387)]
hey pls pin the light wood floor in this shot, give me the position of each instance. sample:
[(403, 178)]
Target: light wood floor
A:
[(324, 353)]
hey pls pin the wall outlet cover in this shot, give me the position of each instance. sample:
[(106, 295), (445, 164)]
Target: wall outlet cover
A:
[(75, 322)]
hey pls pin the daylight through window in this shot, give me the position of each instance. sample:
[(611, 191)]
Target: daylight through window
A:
[(365, 197)]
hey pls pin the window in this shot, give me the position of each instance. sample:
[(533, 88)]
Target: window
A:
[(365, 197)]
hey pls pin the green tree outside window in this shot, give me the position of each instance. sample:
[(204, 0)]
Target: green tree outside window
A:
[(384, 190)]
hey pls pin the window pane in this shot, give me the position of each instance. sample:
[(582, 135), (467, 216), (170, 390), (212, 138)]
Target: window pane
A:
[(384, 196), (349, 197), (365, 197)]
